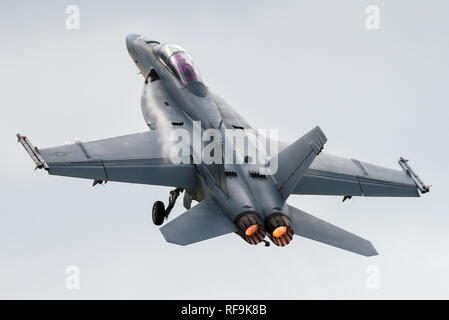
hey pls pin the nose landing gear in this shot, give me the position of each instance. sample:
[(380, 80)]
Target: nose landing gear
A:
[(159, 212)]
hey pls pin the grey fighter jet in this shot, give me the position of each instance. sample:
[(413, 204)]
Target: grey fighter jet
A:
[(247, 198)]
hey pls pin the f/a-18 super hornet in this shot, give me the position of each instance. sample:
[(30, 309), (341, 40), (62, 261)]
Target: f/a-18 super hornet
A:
[(245, 197)]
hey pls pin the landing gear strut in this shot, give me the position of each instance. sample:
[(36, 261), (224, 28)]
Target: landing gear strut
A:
[(159, 212), (174, 194)]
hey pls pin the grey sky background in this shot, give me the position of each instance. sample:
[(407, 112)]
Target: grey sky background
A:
[(290, 65)]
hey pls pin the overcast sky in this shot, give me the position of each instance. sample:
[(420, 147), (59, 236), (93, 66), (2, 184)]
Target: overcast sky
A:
[(291, 65)]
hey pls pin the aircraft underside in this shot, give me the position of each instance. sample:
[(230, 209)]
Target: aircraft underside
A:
[(243, 198)]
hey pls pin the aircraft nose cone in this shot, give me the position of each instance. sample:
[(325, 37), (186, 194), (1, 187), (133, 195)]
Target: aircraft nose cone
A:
[(130, 40)]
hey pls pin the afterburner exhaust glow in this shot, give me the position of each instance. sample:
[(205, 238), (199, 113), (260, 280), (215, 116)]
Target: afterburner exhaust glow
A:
[(252, 230), (279, 231), (250, 227), (279, 228)]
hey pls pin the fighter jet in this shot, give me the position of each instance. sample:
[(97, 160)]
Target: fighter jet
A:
[(245, 197)]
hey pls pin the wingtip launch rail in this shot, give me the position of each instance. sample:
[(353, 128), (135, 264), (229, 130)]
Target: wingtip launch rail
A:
[(419, 183), (33, 152)]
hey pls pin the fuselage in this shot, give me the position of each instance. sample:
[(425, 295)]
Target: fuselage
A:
[(245, 191)]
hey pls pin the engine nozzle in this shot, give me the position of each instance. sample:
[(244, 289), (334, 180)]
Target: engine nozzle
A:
[(250, 227), (279, 228)]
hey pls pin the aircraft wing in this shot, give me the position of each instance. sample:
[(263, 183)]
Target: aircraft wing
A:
[(332, 175), (134, 158)]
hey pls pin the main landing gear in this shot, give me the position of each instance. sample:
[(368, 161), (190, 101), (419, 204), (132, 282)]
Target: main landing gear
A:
[(159, 212)]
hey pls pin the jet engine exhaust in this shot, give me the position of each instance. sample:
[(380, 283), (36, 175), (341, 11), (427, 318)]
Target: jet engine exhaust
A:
[(250, 227), (279, 228)]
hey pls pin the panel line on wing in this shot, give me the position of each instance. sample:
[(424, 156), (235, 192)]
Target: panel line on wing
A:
[(105, 171), (359, 164), (83, 148), (360, 186)]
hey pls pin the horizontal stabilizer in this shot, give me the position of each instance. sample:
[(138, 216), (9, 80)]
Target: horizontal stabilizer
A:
[(308, 226), (204, 221)]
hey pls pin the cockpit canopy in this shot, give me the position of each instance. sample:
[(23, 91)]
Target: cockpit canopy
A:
[(179, 62)]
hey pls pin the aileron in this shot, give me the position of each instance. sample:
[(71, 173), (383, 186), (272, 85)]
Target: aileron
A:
[(332, 175)]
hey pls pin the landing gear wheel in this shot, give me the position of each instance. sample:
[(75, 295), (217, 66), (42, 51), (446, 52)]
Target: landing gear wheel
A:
[(158, 213)]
